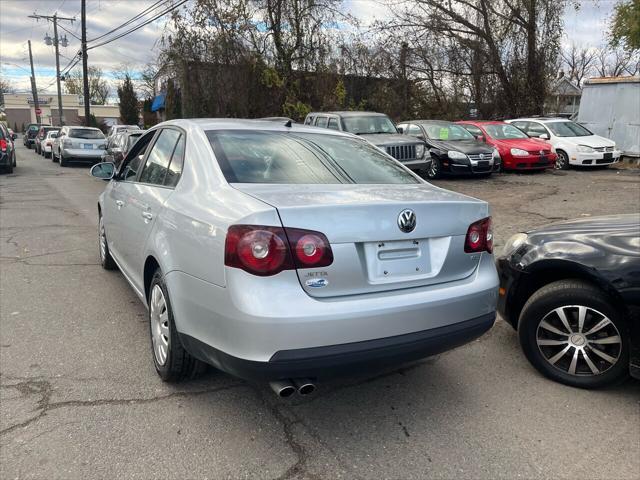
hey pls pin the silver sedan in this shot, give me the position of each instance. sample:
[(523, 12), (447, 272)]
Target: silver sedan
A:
[(289, 254)]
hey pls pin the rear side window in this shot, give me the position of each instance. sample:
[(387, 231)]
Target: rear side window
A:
[(159, 157), (308, 120), (302, 158), (414, 130), (175, 167), (333, 124), (85, 133), (321, 122)]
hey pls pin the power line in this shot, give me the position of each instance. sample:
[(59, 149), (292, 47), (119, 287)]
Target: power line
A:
[(128, 22), (139, 26)]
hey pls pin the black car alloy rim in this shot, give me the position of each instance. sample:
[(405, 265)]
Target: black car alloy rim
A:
[(579, 340)]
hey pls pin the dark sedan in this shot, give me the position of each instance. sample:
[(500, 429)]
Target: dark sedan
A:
[(453, 149), (572, 291), (120, 144)]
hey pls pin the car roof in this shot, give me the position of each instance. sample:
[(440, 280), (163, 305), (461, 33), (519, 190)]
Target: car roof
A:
[(482, 122), (541, 119), (350, 113), (247, 124), (428, 122), (83, 127)]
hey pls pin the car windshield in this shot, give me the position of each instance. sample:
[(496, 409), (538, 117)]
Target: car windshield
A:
[(504, 131), (302, 158), (86, 133), (440, 131), (364, 124), (568, 129)]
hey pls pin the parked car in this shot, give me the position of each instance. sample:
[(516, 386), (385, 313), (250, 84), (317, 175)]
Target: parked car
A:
[(46, 145), (453, 149), (574, 144), (115, 129), (119, 145), (379, 130), (40, 136), (30, 132), (517, 150), (78, 144), (571, 289), (13, 135), (7, 150), (279, 119), (274, 254)]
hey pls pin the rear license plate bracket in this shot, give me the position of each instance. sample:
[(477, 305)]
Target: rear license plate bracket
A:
[(87, 146), (399, 259)]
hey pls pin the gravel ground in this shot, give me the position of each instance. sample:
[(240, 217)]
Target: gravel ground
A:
[(80, 398)]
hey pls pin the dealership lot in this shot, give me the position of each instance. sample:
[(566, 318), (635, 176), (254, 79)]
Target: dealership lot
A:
[(80, 396)]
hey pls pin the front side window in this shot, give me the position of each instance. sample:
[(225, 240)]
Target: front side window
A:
[(504, 131), (443, 131), (568, 129), (333, 124), (414, 130), (473, 130), (321, 122), (534, 129), (159, 157), (302, 158), (364, 124)]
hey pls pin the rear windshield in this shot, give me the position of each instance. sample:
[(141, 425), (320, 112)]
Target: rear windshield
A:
[(302, 158), (85, 133)]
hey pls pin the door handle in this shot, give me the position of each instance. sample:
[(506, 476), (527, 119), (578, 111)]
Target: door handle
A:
[(119, 204), (147, 215)]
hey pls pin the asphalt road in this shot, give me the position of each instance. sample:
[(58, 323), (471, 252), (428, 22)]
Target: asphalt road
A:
[(80, 397)]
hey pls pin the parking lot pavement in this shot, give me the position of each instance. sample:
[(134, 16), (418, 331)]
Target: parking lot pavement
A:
[(80, 397)]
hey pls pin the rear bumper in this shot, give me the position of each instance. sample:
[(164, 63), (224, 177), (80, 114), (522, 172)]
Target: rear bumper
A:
[(344, 359), (80, 154), (255, 319)]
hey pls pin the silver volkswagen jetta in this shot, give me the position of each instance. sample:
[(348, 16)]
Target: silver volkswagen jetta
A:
[(288, 254)]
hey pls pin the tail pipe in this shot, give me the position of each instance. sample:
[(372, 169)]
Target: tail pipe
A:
[(286, 388), (304, 386)]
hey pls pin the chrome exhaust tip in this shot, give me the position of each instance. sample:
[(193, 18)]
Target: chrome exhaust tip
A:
[(304, 386), (283, 388)]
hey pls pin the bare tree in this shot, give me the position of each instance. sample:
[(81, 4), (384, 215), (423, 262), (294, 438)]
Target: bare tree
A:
[(579, 62), (616, 62)]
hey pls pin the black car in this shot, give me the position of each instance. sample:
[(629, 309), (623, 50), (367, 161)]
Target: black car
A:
[(29, 137), (572, 291), (120, 144), (7, 150), (453, 149)]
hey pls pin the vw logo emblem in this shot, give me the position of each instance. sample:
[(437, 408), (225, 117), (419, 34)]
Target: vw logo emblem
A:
[(541, 152), (407, 220)]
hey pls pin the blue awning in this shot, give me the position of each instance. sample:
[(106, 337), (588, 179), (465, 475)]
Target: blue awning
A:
[(158, 102)]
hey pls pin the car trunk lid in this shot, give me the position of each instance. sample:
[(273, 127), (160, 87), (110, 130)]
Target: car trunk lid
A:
[(371, 252)]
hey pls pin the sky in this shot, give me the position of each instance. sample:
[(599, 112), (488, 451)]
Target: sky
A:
[(585, 27)]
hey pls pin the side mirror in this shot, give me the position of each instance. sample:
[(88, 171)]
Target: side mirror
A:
[(103, 170), (400, 129), (544, 136)]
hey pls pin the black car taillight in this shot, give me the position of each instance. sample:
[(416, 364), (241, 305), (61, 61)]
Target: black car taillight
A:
[(264, 251), (479, 237)]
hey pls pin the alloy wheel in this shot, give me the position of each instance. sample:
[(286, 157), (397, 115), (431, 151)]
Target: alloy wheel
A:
[(560, 161), (433, 168), (579, 340), (102, 238), (159, 315)]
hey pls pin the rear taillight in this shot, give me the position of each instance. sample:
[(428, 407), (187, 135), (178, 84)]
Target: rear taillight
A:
[(3, 145), (479, 237), (265, 251)]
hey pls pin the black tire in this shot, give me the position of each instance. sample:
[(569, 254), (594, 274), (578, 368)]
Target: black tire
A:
[(562, 162), (54, 159), (570, 294), (435, 170), (63, 161), (15, 164), (179, 364), (106, 260)]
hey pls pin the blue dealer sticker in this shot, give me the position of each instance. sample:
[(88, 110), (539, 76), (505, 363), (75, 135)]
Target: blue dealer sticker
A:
[(317, 282)]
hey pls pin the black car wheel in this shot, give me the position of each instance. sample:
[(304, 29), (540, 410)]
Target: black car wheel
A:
[(106, 260), (570, 332), (63, 161), (562, 162), (435, 169), (173, 363)]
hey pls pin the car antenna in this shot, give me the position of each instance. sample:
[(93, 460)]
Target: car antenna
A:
[(288, 124)]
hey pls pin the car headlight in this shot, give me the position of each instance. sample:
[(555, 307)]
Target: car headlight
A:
[(455, 155), (515, 242), (585, 149), (518, 152), (419, 151)]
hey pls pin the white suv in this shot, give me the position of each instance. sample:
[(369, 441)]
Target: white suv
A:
[(574, 144)]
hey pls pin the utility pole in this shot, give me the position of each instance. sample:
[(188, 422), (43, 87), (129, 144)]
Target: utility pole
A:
[(85, 69), (34, 90), (54, 18)]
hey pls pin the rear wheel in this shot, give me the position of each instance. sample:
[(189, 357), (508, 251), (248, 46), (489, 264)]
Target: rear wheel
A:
[(63, 161), (53, 156), (562, 162), (173, 363), (571, 333)]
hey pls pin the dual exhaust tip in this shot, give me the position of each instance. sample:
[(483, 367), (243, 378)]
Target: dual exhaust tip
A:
[(286, 388)]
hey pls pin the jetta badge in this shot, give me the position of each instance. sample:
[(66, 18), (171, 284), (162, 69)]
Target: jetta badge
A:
[(407, 220)]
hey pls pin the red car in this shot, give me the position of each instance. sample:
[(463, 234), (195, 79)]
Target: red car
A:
[(517, 150)]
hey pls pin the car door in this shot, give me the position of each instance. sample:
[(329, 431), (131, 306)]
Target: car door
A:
[(144, 199)]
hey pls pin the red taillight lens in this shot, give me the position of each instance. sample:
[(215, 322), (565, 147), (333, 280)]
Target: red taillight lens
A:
[(265, 251), (479, 237), (3, 145)]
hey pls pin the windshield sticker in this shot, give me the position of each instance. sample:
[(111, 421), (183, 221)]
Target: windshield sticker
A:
[(444, 134)]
